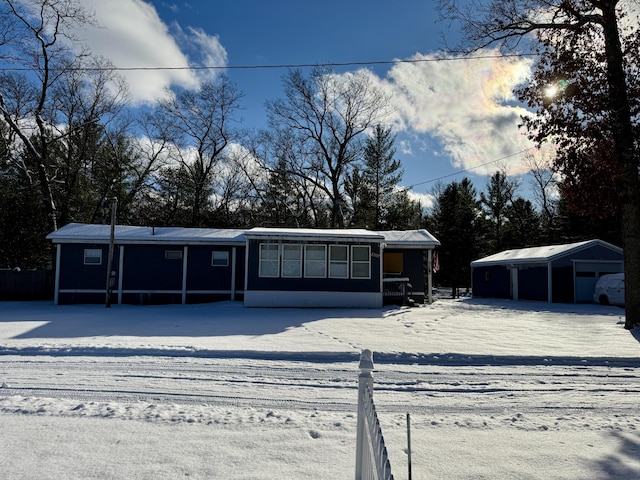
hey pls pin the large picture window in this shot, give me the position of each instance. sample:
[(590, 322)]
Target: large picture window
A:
[(269, 260), (360, 261), (338, 261), (291, 261), (315, 261)]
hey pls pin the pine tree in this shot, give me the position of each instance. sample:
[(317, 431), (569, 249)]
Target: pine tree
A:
[(456, 222)]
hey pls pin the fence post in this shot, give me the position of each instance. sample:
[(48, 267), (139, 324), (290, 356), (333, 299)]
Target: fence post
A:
[(365, 380)]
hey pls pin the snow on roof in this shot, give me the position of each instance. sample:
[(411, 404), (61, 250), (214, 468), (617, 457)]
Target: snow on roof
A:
[(313, 233), (79, 232), (409, 239), (539, 254)]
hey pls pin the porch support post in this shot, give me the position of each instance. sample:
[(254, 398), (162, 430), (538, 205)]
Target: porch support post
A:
[(430, 276), (550, 282), (56, 289), (120, 274), (233, 274), (184, 273)]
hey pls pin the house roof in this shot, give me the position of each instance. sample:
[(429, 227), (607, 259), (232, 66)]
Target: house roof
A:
[(314, 234), (81, 233), (542, 254), (409, 239)]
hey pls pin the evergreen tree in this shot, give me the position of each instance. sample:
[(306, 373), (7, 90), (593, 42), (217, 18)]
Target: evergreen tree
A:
[(380, 175), (496, 202), (456, 221), (523, 226)]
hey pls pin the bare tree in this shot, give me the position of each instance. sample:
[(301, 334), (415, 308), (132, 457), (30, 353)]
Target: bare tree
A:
[(39, 39), (200, 124), (325, 115), (545, 191)]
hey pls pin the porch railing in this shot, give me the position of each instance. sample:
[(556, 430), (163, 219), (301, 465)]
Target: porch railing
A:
[(372, 460)]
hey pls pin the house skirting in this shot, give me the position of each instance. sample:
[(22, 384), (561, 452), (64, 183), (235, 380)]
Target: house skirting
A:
[(271, 298)]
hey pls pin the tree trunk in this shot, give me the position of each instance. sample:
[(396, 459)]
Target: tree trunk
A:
[(625, 153)]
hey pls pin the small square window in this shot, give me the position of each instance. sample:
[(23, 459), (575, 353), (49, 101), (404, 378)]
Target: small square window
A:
[(173, 254), (93, 256), (219, 259)]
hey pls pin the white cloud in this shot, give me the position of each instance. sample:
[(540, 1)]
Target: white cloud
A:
[(425, 199), (131, 34), (211, 51), (468, 105)]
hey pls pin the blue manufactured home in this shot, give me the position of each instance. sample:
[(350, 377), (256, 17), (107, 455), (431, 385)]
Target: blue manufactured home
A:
[(264, 267), (555, 273)]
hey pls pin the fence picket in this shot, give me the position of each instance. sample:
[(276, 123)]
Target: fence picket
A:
[(372, 460)]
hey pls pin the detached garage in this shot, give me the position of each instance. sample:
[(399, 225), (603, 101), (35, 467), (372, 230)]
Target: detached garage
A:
[(555, 273)]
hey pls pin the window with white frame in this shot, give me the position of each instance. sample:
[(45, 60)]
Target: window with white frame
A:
[(269, 262), (291, 260), (338, 261), (315, 261), (360, 261), (93, 256), (219, 258)]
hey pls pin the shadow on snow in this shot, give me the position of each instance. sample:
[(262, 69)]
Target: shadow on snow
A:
[(196, 320), (617, 466)]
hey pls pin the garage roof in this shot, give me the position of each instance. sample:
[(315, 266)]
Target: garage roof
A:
[(542, 254)]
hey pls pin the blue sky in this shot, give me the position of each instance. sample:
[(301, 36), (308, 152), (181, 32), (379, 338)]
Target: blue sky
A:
[(449, 116)]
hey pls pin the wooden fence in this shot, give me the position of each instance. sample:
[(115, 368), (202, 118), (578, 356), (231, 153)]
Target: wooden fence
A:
[(18, 284)]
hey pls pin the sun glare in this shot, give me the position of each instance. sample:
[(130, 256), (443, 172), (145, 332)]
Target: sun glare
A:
[(551, 91)]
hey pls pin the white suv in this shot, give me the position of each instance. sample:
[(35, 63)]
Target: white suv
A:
[(609, 290)]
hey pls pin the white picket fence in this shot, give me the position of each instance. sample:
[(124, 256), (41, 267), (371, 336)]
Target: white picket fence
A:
[(372, 461)]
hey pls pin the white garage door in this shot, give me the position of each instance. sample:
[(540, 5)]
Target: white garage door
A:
[(587, 272)]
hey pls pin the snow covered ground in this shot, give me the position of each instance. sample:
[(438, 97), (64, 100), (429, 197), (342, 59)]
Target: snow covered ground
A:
[(495, 390)]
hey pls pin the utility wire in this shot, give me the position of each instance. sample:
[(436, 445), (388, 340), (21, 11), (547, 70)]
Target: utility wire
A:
[(284, 65), (465, 170)]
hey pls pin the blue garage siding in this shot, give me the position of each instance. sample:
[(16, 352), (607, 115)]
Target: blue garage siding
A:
[(562, 278), (492, 281), (255, 282), (533, 283)]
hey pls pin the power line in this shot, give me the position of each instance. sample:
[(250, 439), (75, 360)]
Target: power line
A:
[(411, 187), (284, 65)]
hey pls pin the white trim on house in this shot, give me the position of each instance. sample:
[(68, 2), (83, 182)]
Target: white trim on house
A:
[(307, 299)]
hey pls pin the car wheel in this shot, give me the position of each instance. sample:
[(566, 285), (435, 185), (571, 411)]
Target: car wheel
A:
[(604, 300)]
